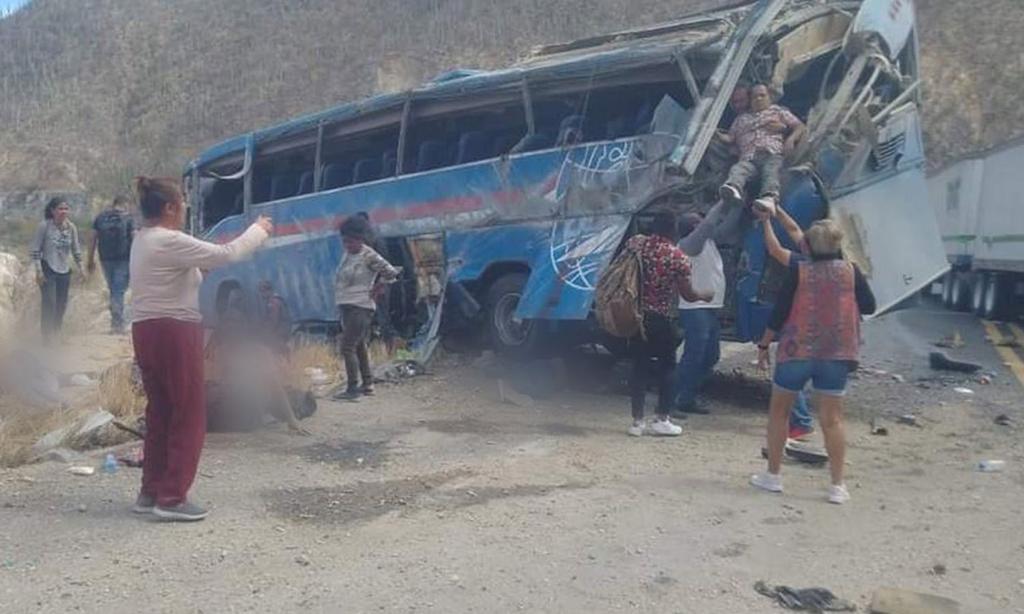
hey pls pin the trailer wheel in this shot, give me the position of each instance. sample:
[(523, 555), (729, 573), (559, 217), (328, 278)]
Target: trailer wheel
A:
[(978, 289), (996, 298), (947, 290), (509, 334), (961, 298)]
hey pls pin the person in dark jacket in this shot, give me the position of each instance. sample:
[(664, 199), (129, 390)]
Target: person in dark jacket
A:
[(113, 230), (816, 321)]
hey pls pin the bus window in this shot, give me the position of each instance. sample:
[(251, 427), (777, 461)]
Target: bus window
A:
[(463, 137), (283, 175), (350, 159), (218, 198), (599, 114)]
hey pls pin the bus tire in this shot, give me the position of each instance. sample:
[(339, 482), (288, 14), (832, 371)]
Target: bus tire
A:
[(507, 334), (224, 294)]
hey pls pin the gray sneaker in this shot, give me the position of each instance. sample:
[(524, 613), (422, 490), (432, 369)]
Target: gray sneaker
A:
[(350, 395), (185, 511), (144, 504)]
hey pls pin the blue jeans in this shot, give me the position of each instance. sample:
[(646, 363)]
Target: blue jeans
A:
[(701, 332), (800, 414), (116, 272)]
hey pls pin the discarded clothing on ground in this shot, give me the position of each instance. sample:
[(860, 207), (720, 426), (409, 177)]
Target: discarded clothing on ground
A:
[(941, 362), (805, 599)]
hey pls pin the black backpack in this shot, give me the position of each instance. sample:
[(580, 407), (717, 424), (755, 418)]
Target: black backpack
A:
[(114, 235)]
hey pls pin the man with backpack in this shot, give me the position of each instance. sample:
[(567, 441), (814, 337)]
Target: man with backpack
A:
[(665, 276), (113, 230)]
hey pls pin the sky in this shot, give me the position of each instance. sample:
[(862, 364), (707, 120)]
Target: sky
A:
[(9, 5)]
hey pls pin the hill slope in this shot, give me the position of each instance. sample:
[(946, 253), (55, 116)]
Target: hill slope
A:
[(93, 91)]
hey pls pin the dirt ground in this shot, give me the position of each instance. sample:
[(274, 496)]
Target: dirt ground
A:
[(436, 497)]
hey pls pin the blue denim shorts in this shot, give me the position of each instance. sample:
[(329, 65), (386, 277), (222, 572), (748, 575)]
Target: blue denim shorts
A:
[(826, 376)]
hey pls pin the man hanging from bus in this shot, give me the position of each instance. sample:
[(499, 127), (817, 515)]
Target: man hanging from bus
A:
[(764, 135)]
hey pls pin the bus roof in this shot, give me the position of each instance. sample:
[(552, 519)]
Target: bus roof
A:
[(585, 58)]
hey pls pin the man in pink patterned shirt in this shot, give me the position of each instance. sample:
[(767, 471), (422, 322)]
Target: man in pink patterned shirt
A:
[(763, 135)]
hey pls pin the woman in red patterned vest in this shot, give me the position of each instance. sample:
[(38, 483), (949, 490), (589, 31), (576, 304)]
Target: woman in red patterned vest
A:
[(816, 321)]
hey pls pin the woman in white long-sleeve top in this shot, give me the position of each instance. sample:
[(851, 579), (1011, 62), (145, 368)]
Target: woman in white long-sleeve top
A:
[(167, 335)]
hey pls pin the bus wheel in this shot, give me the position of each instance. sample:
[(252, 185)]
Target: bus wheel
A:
[(508, 334)]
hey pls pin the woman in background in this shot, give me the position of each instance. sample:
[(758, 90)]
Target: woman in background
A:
[(54, 246), (167, 334)]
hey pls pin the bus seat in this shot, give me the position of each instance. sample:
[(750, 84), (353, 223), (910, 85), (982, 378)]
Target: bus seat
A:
[(336, 175), (472, 147), (261, 185), (502, 145), (305, 183), (367, 169), (388, 164), (433, 154), (643, 118), (284, 186), (617, 128), (570, 131), (533, 142)]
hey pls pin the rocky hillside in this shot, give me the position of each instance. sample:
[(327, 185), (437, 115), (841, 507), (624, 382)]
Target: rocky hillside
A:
[(93, 91)]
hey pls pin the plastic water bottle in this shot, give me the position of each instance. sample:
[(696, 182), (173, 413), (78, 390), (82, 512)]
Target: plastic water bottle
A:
[(110, 464), (991, 466)]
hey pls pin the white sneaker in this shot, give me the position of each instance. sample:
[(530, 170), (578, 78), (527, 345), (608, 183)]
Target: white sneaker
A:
[(765, 205), (838, 494), (636, 429), (730, 193), (665, 428), (772, 482)]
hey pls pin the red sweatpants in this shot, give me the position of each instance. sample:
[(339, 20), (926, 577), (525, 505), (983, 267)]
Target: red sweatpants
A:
[(170, 355)]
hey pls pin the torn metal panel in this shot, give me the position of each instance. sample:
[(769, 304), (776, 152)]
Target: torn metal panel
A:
[(807, 43), (890, 20), (425, 343), (895, 235)]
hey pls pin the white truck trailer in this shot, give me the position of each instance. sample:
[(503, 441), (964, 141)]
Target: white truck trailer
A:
[(979, 204)]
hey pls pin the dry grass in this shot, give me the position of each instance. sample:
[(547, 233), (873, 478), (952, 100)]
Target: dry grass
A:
[(21, 427), (120, 391), (324, 356)]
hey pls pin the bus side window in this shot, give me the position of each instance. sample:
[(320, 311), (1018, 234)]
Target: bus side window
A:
[(445, 139), (280, 175), (218, 199), (351, 159)]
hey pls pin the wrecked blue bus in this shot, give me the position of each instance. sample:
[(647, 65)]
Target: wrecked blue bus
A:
[(504, 194)]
